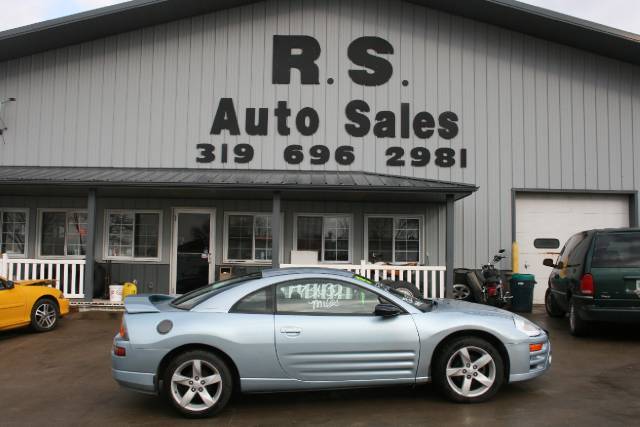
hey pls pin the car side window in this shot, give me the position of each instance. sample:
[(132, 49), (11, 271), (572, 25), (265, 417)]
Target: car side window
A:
[(579, 251), (323, 296), (258, 302), (568, 249)]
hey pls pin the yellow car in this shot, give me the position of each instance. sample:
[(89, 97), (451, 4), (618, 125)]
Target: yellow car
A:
[(31, 302)]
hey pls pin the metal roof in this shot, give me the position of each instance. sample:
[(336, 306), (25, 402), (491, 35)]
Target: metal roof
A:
[(135, 14), (296, 182)]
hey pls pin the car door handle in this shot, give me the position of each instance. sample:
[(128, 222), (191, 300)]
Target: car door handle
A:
[(291, 331)]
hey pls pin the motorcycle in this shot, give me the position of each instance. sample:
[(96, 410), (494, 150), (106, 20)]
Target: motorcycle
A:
[(484, 286)]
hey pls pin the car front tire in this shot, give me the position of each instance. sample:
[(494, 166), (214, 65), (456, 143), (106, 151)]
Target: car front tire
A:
[(198, 383), (551, 305), (577, 326), (468, 370), (44, 315)]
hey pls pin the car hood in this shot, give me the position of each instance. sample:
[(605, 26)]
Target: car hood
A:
[(451, 305), (34, 282)]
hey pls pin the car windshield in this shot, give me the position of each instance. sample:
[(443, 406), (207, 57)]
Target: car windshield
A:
[(422, 305), (195, 297)]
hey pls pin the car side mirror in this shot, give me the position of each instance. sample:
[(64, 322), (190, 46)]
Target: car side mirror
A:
[(387, 310), (548, 262)]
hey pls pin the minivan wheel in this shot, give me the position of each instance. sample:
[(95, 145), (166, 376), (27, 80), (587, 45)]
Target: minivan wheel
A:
[(577, 326), (468, 370), (552, 307), (198, 383)]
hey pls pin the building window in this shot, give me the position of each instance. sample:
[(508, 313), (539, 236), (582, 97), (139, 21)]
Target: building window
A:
[(393, 239), (13, 223), (133, 235), (328, 235), (63, 233), (248, 237)]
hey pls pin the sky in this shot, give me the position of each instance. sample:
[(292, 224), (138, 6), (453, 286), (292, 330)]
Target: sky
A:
[(622, 14)]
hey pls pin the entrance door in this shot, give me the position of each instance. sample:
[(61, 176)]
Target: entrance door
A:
[(193, 242), (544, 223)]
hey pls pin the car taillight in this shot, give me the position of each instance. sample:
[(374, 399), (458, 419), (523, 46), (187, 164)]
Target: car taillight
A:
[(119, 351), (123, 330), (587, 285)]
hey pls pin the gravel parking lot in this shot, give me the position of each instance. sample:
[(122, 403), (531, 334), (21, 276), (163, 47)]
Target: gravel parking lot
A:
[(63, 378)]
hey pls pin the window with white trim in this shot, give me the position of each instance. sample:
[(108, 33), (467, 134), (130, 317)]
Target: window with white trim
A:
[(13, 227), (248, 237), (63, 233), (133, 234), (393, 239), (328, 235)]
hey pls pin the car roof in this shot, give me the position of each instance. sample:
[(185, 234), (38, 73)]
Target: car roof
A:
[(611, 230), (273, 272)]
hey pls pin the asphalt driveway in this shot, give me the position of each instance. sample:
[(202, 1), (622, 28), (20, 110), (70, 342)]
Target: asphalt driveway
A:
[(63, 378)]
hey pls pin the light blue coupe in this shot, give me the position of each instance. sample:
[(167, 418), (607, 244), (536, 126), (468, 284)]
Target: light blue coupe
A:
[(295, 329)]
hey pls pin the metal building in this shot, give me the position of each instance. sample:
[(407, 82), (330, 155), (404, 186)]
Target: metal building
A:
[(170, 141)]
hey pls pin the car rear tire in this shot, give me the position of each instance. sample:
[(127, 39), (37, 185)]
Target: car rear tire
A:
[(551, 305), (577, 326), (44, 315), (198, 383), (404, 287), (468, 370)]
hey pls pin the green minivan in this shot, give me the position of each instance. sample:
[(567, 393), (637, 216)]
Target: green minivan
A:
[(596, 278)]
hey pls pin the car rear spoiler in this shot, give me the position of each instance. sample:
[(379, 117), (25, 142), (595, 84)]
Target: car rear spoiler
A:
[(144, 303)]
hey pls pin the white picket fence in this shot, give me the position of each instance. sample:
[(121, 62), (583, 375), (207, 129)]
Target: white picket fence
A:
[(429, 279), (68, 274)]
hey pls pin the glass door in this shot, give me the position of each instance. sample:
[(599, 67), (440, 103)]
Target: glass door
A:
[(193, 242)]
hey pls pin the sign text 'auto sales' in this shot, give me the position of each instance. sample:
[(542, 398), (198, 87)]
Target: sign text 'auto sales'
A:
[(301, 53)]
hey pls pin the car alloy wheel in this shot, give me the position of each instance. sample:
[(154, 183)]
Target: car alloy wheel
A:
[(46, 315), (471, 371), (461, 291), (196, 385)]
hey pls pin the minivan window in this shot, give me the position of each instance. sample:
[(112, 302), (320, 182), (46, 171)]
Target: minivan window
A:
[(567, 255), (617, 250)]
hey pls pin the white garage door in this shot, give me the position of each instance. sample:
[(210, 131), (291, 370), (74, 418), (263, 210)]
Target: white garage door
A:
[(544, 222)]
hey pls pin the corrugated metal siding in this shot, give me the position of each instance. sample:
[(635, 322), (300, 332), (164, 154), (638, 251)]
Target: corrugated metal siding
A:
[(532, 113)]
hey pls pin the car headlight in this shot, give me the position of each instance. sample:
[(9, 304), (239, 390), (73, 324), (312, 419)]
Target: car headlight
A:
[(529, 328)]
